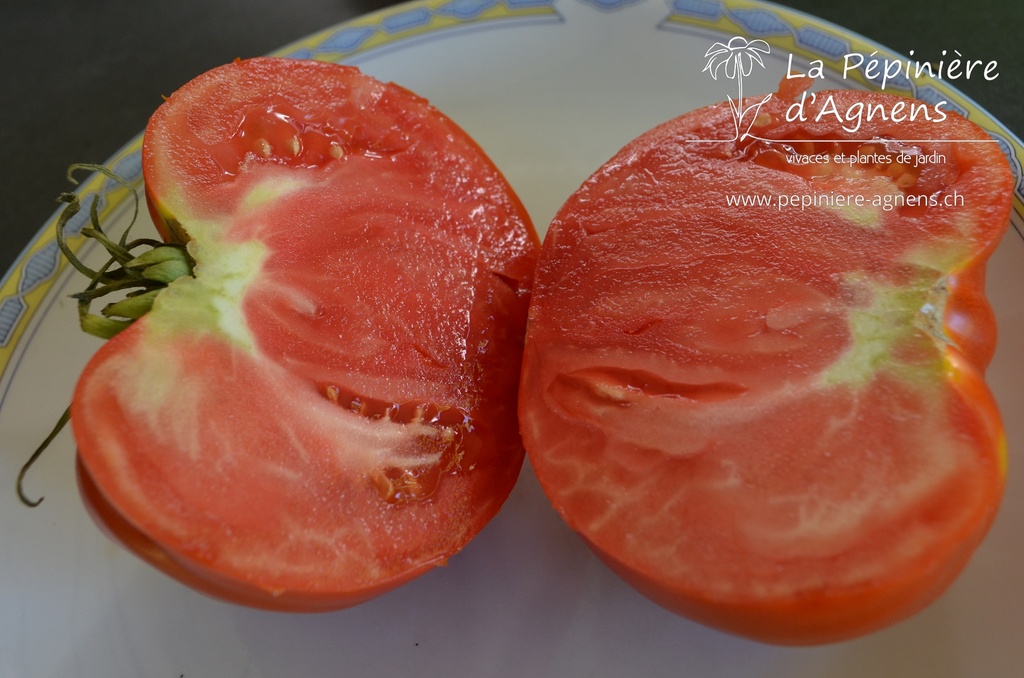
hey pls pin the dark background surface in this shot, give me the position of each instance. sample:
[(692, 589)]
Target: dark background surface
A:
[(81, 79)]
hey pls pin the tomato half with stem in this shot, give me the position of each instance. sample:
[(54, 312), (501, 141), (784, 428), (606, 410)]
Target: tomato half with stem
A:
[(327, 408), (753, 375)]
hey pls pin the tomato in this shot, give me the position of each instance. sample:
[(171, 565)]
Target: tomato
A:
[(772, 417), (327, 408)]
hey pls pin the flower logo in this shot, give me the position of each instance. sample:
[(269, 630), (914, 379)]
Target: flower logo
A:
[(737, 58)]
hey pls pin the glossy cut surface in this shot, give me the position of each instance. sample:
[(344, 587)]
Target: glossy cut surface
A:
[(327, 409), (772, 417)]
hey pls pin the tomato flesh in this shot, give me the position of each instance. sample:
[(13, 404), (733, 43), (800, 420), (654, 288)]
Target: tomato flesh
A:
[(773, 420), (328, 408)]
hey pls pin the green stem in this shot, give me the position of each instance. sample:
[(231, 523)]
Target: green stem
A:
[(61, 423), (141, 276)]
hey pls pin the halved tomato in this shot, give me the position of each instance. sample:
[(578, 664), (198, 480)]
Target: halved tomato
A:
[(759, 397), (328, 407)]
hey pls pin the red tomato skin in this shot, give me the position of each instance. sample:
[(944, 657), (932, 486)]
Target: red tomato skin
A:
[(970, 321), (578, 457), (828, 617), (256, 516)]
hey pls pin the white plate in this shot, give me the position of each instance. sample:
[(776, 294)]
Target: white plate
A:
[(551, 89)]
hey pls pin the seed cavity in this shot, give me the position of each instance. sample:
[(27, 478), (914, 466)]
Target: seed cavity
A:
[(446, 441), (510, 282), (644, 326), (624, 385)]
